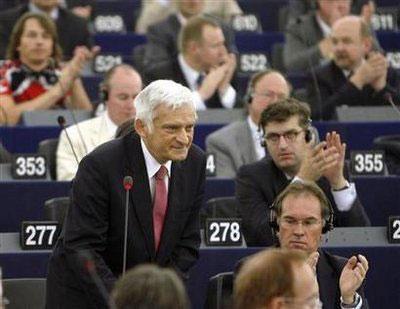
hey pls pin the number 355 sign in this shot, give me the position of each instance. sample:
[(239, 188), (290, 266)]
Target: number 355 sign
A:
[(370, 162)]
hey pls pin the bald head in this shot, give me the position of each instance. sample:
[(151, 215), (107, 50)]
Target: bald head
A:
[(122, 85), (351, 40), (266, 88)]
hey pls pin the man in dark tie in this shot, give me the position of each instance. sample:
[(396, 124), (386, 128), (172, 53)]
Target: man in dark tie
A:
[(168, 186)]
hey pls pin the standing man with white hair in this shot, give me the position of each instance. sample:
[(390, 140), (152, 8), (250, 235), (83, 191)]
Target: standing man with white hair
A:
[(168, 175)]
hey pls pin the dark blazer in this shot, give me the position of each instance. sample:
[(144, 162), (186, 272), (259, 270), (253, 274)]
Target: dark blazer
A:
[(95, 222), (336, 90), (162, 40), (257, 186), (72, 30), (171, 69), (329, 268)]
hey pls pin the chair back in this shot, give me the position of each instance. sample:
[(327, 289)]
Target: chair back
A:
[(23, 293)]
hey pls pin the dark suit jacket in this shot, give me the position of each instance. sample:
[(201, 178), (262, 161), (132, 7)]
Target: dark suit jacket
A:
[(329, 268), (336, 90), (72, 30), (171, 69), (162, 40), (95, 221), (257, 186)]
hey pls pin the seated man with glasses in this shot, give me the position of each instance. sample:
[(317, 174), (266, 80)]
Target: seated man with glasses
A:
[(299, 216), (294, 156), (274, 279)]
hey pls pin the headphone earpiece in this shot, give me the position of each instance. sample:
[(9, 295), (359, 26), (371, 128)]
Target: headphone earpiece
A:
[(103, 94), (248, 97), (308, 136)]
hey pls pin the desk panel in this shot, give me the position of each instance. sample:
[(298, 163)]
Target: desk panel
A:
[(382, 286), (357, 135), (24, 200)]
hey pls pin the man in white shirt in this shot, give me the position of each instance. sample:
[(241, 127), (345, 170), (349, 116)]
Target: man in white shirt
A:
[(120, 86)]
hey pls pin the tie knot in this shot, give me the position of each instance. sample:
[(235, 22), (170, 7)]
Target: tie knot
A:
[(161, 172)]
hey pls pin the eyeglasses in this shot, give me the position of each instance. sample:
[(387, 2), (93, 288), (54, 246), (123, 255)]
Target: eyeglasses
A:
[(310, 223), (289, 136), (312, 303)]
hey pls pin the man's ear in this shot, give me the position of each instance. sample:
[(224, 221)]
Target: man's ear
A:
[(141, 128)]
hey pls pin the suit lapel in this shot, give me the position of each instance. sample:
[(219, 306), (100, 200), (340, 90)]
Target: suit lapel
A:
[(176, 185), (245, 138), (328, 282), (140, 195)]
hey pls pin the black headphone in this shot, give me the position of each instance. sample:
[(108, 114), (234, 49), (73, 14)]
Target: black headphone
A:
[(103, 93), (273, 222)]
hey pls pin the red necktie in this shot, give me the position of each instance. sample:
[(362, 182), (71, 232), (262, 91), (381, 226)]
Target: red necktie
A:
[(160, 204)]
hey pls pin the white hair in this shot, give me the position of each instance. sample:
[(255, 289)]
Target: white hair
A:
[(159, 92)]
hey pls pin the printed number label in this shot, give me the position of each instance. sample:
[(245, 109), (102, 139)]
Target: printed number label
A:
[(103, 63), (248, 22), (394, 59), (384, 21), (29, 167), (211, 169), (250, 63), (367, 162), (394, 229), (39, 235), (109, 23), (223, 232)]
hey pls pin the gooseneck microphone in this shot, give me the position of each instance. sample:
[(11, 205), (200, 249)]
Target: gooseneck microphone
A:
[(90, 267), (128, 184), (61, 123), (388, 97)]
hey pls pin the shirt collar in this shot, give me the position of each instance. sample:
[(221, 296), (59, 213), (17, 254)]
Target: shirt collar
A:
[(53, 14), (111, 126), (182, 19), (326, 29), (253, 127), (152, 165), (191, 75)]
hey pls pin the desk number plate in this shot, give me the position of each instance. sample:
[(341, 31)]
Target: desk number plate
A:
[(394, 230), (39, 235), (29, 166), (223, 232), (369, 162)]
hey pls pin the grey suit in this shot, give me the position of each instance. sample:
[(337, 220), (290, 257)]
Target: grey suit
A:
[(302, 37), (233, 147)]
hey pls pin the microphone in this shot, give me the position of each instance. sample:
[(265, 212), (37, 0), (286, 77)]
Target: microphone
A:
[(61, 123), (90, 266), (388, 97), (314, 81), (128, 184)]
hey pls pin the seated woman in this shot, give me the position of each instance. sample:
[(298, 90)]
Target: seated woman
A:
[(32, 79)]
